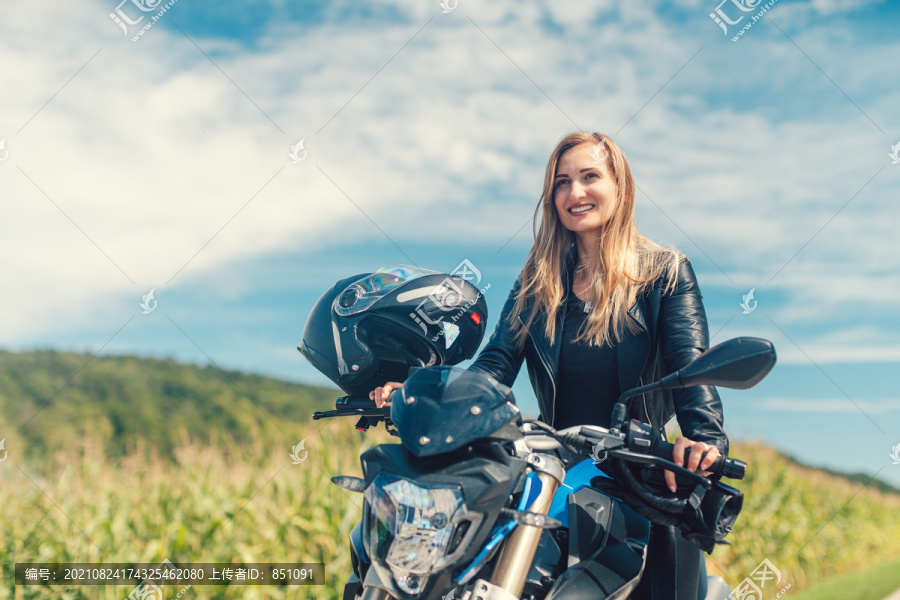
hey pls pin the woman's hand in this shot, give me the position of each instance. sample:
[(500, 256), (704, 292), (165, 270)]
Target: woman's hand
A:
[(697, 450), (381, 394)]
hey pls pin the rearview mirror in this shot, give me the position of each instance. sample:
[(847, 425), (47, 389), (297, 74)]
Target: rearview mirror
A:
[(739, 363)]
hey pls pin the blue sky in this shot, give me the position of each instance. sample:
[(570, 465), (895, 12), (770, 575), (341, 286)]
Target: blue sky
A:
[(163, 163)]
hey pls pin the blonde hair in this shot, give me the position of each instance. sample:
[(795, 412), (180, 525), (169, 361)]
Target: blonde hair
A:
[(623, 260)]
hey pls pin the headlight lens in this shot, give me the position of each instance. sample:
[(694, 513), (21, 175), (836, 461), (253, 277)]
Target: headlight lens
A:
[(409, 529)]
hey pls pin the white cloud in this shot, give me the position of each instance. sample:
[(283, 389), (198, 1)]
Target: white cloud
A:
[(839, 353), (151, 149), (813, 343), (831, 405), (828, 7)]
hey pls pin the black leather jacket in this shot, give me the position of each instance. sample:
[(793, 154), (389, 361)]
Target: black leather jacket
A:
[(673, 331)]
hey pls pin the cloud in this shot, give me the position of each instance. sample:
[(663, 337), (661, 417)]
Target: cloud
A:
[(880, 407), (155, 160), (828, 7)]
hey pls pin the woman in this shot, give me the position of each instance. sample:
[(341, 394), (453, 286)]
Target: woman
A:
[(623, 311)]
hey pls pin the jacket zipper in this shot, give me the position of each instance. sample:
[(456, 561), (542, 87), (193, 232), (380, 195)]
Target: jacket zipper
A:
[(546, 366)]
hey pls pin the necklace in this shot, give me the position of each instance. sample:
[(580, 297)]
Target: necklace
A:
[(587, 305), (579, 270)]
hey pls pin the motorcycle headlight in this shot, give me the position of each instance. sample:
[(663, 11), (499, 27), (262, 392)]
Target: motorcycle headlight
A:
[(410, 527)]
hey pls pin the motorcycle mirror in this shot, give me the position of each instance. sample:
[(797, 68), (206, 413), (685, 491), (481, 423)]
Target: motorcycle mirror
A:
[(739, 363)]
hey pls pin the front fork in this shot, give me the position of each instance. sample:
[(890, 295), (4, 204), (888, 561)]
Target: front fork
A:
[(517, 554), (374, 593)]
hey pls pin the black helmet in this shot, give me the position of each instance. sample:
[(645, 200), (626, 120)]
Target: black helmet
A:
[(370, 328)]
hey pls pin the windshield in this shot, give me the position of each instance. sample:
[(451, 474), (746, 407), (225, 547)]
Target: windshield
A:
[(449, 385), (362, 294), (444, 408)]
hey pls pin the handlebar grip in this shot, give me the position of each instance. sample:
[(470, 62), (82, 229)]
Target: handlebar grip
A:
[(347, 403), (721, 467)]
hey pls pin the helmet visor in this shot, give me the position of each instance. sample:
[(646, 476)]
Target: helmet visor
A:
[(362, 294)]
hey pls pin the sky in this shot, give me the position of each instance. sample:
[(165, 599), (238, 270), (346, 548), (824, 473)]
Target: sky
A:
[(138, 154)]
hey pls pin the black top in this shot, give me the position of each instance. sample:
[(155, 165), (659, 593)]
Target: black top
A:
[(587, 382)]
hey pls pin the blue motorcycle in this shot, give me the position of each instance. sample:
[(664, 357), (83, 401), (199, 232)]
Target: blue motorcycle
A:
[(477, 503)]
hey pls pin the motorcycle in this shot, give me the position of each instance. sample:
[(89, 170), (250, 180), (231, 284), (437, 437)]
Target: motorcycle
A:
[(478, 503)]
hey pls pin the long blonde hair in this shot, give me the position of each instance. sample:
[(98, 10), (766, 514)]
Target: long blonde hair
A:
[(623, 261)]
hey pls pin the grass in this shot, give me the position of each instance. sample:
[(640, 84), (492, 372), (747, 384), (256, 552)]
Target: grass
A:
[(875, 583)]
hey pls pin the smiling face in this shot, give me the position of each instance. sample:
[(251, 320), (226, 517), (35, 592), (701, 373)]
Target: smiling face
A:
[(584, 191)]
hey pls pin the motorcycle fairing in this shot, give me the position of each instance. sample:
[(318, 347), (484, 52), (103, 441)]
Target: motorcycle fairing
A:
[(606, 550), (443, 409), (485, 473), (605, 553), (358, 558), (577, 478)]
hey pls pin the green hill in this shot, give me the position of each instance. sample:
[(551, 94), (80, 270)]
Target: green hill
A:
[(54, 399), (860, 479)]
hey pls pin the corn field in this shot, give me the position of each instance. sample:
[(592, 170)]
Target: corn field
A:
[(809, 524), (215, 503), (225, 503)]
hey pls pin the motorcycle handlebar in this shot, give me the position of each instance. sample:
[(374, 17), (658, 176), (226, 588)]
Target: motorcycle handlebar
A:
[(639, 442)]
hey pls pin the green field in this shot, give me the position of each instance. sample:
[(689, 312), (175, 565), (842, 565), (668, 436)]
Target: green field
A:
[(226, 503), (812, 526), (208, 478), (875, 583), (248, 503)]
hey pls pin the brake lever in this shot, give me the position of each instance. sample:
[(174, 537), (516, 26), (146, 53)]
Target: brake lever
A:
[(661, 462), (349, 406)]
